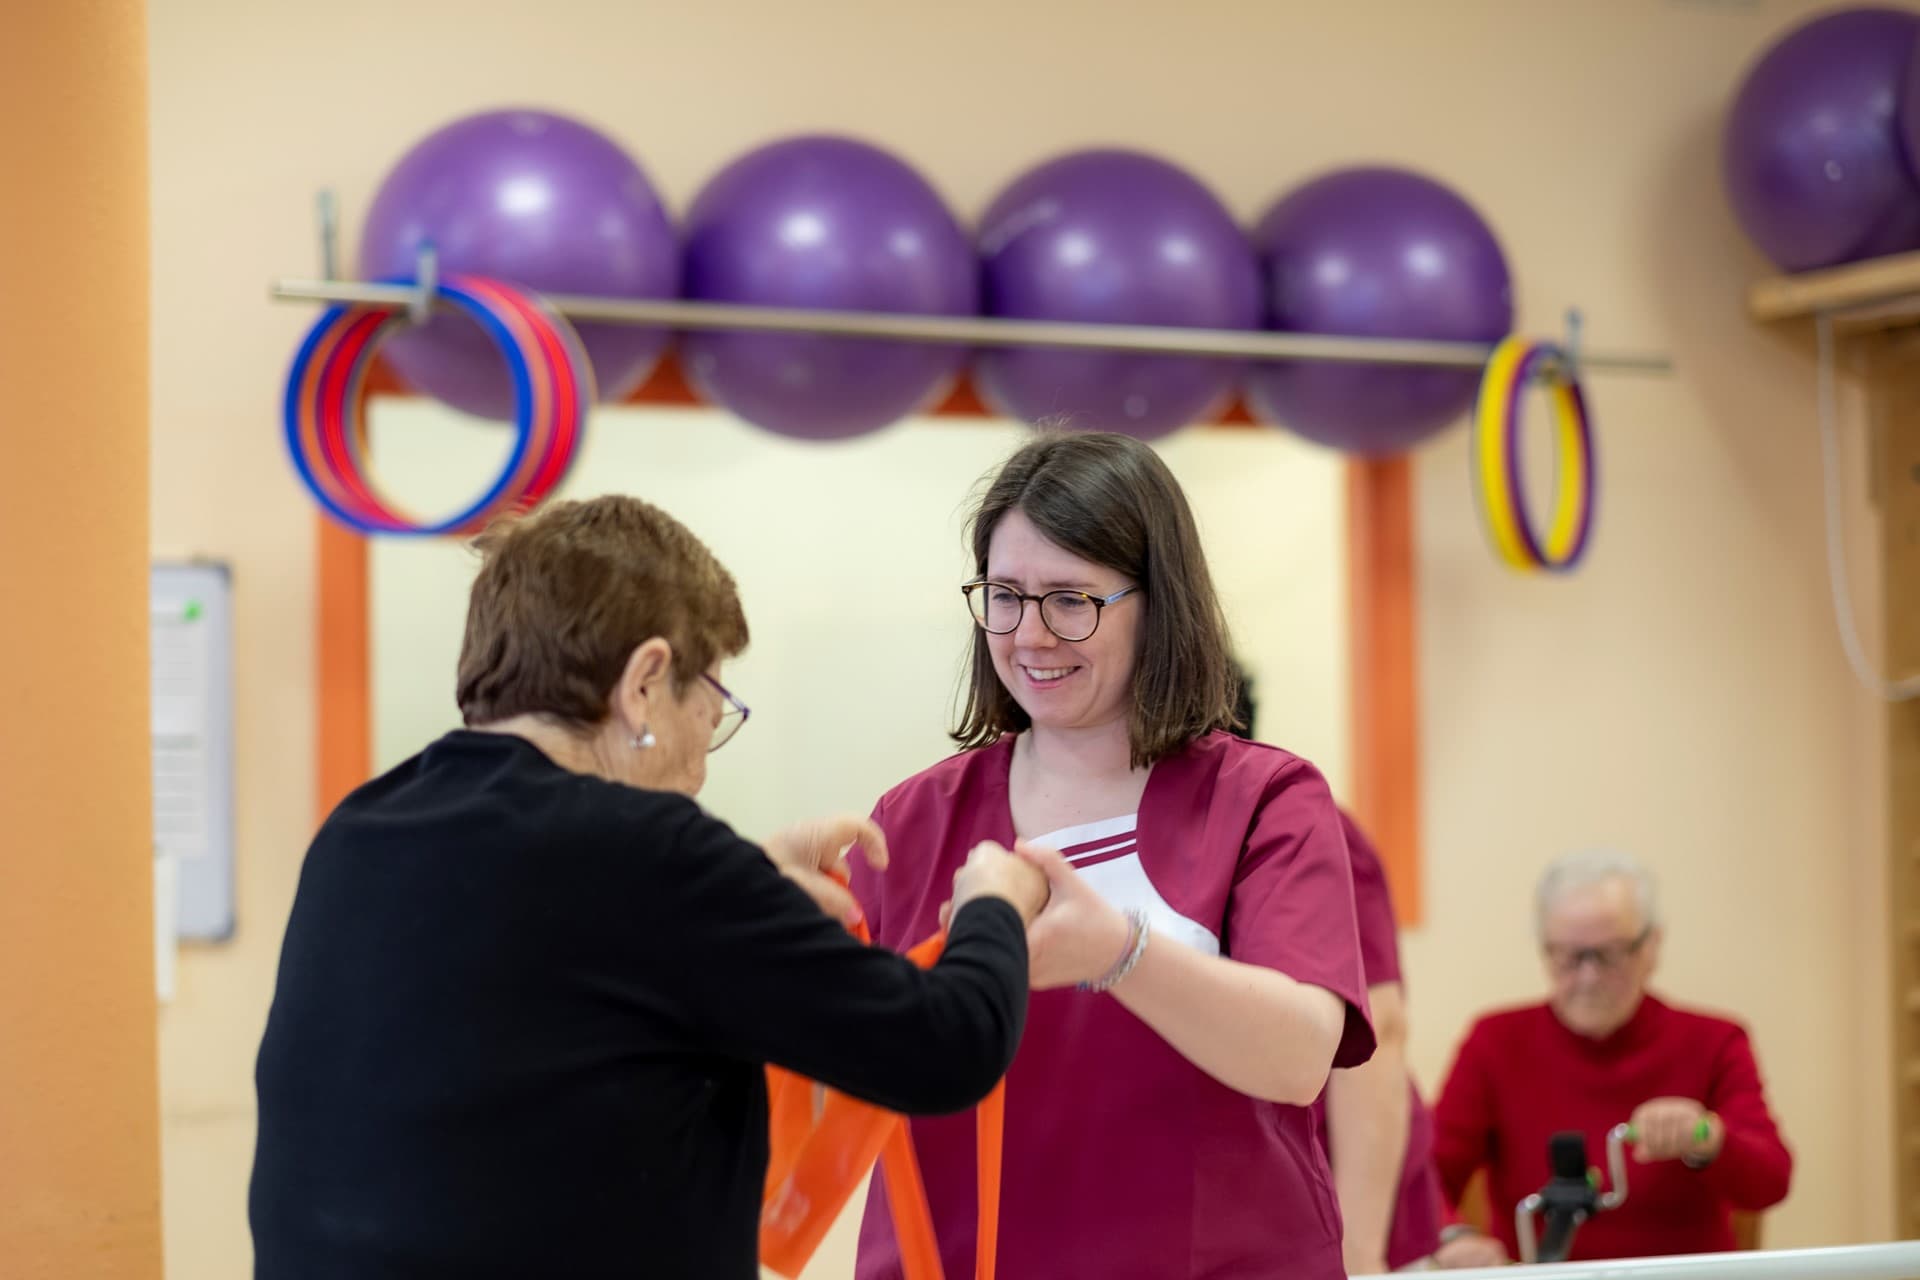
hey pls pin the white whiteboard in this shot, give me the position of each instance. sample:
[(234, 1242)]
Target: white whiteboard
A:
[(191, 612)]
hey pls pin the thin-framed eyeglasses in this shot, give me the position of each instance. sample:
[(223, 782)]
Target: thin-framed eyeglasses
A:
[(998, 607), (1608, 956), (730, 720)]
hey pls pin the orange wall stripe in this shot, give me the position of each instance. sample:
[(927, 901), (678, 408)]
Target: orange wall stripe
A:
[(1382, 682), (343, 669)]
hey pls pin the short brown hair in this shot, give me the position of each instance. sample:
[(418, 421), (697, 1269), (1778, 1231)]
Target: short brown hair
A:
[(1110, 499), (567, 593)]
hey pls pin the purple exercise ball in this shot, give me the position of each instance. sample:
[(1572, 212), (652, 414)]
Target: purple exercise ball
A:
[(1376, 252), (537, 200), (824, 223), (1113, 237), (1811, 156)]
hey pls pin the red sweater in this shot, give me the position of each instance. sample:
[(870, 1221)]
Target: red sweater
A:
[(1521, 1077)]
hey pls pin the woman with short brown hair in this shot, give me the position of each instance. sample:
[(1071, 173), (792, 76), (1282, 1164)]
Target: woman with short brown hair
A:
[(529, 987), (1197, 970)]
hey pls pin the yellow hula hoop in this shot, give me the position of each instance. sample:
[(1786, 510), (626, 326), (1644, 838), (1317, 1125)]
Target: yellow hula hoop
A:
[(1496, 461)]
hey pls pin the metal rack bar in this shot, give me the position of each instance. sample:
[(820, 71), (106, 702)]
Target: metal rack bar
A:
[(978, 331)]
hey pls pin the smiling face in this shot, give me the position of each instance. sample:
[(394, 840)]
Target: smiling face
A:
[(1600, 954), (1099, 513), (1062, 684)]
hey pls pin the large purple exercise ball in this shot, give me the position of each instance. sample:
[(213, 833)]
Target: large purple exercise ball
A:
[(537, 200), (1113, 237), (1376, 252), (833, 224), (1811, 154)]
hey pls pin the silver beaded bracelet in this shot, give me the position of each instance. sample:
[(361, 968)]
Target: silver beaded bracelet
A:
[(1139, 926)]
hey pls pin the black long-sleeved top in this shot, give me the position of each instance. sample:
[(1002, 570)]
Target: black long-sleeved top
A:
[(522, 1018)]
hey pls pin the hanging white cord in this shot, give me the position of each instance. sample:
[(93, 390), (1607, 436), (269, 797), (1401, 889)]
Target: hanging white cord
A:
[(1872, 681)]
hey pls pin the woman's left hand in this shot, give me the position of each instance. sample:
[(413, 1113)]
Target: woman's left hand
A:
[(1079, 936), (813, 855)]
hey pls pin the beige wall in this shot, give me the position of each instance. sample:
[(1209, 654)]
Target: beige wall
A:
[(1683, 695)]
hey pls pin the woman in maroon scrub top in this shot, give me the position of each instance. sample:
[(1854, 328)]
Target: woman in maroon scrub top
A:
[(1197, 972)]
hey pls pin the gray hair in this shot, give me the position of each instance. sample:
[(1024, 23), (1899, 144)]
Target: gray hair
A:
[(1586, 867)]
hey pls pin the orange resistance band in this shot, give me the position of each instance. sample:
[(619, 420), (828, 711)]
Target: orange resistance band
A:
[(820, 1154)]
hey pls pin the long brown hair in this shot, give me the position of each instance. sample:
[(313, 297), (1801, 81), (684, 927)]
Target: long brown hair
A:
[(1110, 499)]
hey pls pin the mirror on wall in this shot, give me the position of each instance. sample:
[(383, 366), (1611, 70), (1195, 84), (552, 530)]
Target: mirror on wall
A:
[(849, 556)]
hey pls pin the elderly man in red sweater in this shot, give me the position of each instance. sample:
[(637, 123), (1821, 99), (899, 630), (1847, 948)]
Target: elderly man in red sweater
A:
[(1604, 1049)]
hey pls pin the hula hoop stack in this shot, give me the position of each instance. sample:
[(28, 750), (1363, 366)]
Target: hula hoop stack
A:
[(1498, 476), (326, 432)]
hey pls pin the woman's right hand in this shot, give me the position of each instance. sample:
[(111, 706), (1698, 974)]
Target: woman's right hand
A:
[(992, 872)]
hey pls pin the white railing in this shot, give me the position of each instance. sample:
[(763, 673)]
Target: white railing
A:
[(1898, 1261)]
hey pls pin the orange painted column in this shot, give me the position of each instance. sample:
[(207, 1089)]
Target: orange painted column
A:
[(1383, 616), (344, 674), (79, 1095)]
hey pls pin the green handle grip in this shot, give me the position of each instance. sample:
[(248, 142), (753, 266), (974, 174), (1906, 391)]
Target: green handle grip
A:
[(1701, 1131)]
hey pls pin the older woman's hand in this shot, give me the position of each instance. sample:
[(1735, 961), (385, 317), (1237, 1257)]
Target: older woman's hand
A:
[(1074, 935), (813, 855), (1080, 936), (991, 872)]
